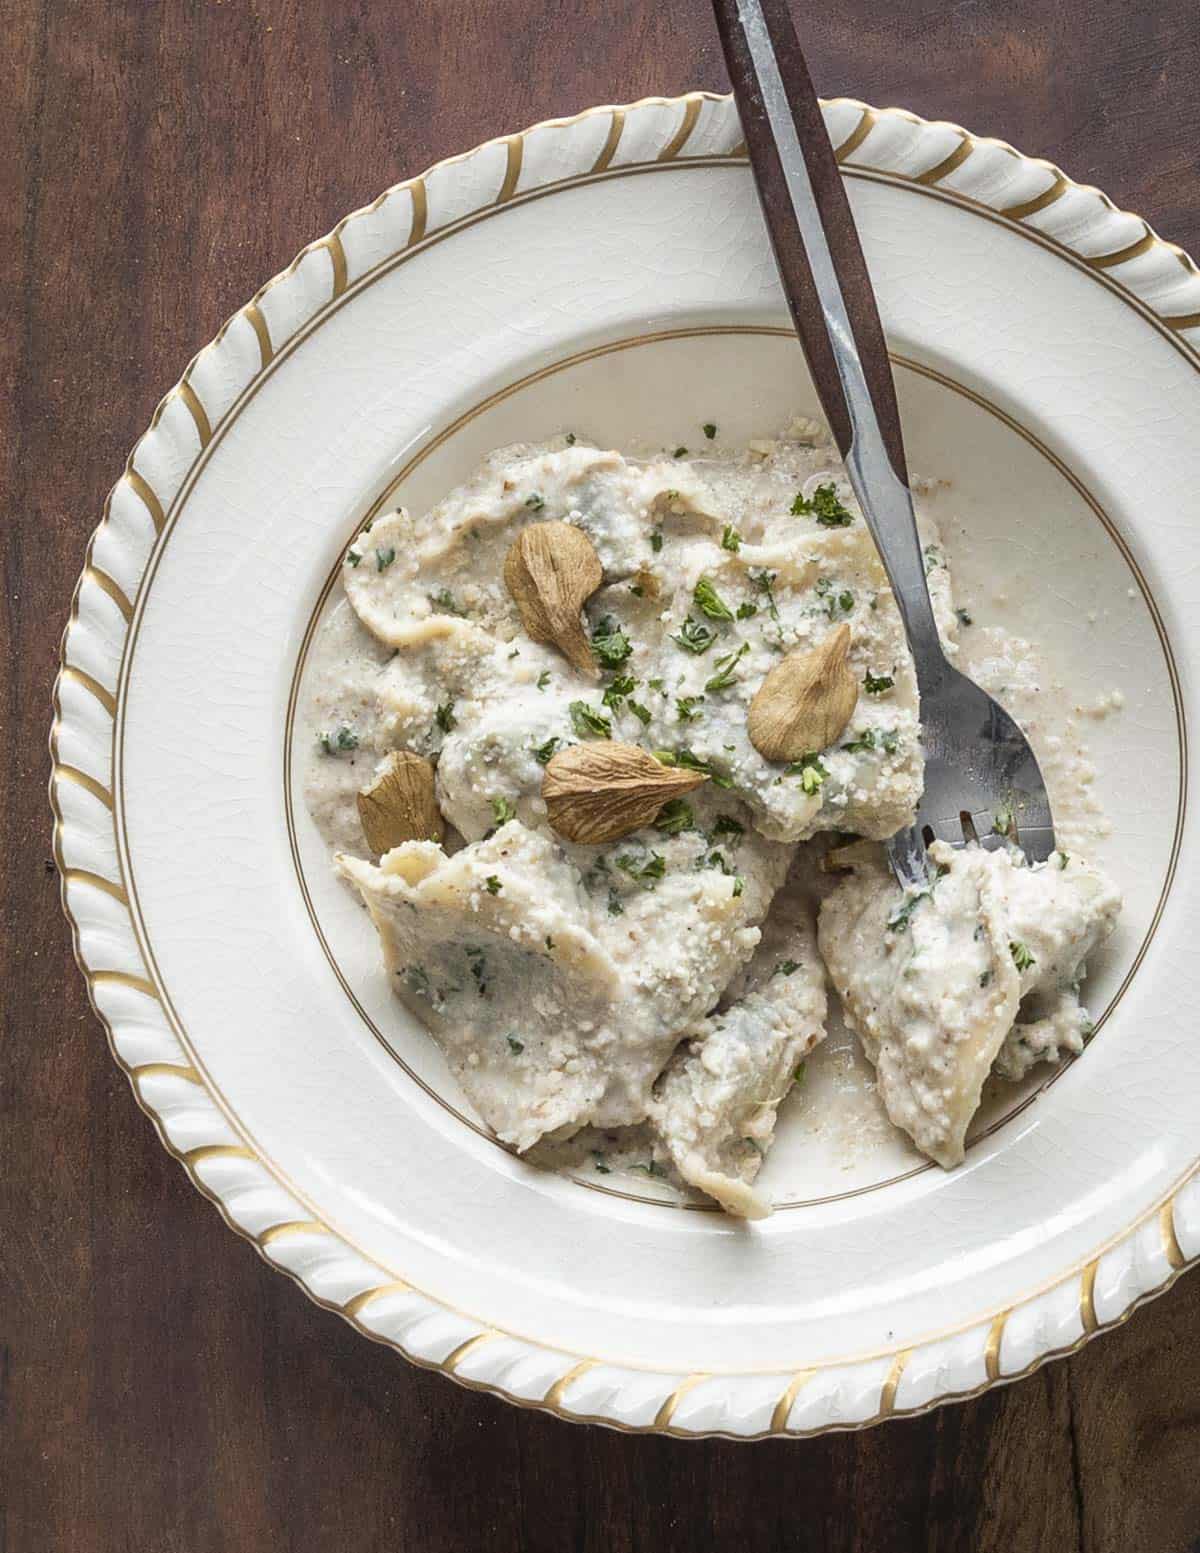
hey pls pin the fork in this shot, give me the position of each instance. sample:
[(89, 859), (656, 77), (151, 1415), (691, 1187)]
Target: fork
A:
[(982, 779)]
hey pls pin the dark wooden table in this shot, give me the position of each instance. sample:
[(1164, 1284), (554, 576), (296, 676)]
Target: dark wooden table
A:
[(162, 1389)]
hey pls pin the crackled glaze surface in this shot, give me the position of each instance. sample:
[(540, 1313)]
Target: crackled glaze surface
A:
[(259, 1071)]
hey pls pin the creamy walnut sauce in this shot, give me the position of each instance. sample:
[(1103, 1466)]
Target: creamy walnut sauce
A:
[(642, 1006)]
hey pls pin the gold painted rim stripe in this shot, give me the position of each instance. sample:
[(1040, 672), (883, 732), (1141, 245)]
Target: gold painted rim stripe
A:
[(141, 488), (168, 1070), (89, 784), (1106, 261), (337, 259), (683, 134), (290, 1229), (608, 150), (133, 983), (991, 1349), (946, 166), (515, 150), (75, 676), (457, 1355), (197, 411), (1087, 1298), (1170, 1239), (1031, 207), (857, 135), (352, 1308), (207, 1151), (782, 1410), (420, 211), (554, 1396), (110, 586), (257, 320), (887, 1392), (1183, 321), (662, 1419), (96, 882)]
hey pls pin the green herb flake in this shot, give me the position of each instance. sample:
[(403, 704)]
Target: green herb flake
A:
[(901, 915), (339, 743), (589, 723), (709, 601), (680, 452), (647, 871), (352, 557), (493, 884), (610, 644), (725, 675), (515, 1046), (685, 708), (444, 716), (620, 687), (985, 979), (709, 429), (543, 679), (739, 884), (1022, 958), (799, 1076), (570, 439), (878, 684), (726, 825), (642, 713), (694, 636), (615, 908), (747, 611), (823, 505), (764, 581), (601, 1167), (786, 968), (544, 753), (730, 539), (811, 770), (964, 617), (652, 1168), (675, 816), (1003, 820), (933, 559), (1063, 859), (535, 502), (445, 601), (503, 811), (384, 558), (656, 540)]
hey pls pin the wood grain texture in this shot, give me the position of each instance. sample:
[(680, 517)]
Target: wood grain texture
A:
[(161, 1389)]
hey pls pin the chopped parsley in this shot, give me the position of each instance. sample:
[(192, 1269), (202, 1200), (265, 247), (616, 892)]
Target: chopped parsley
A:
[(932, 559), (709, 429), (680, 452), (339, 743), (726, 825), (543, 679), (799, 1076), (901, 915), (1022, 958), (384, 558), (570, 439), (647, 871), (656, 540), (652, 1168), (823, 505), (747, 611), (544, 753), (444, 716), (1003, 820), (623, 685), (659, 685), (985, 978), (353, 557), (691, 762), (764, 582), (642, 713), (503, 811), (685, 708), (602, 1167), (515, 1046), (739, 884), (730, 538), (615, 908), (1063, 859), (416, 978), (444, 600), (886, 739), (477, 961), (877, 684), (535, 502), (694, 636), (675, 816), (588, 723), (811, 771), (786, 968), (964, 617), (493, 884), (719, 860), (725, 674), (710, 601), (610, 644)]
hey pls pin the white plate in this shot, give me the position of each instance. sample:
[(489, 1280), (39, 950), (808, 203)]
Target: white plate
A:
[(609, 273)]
